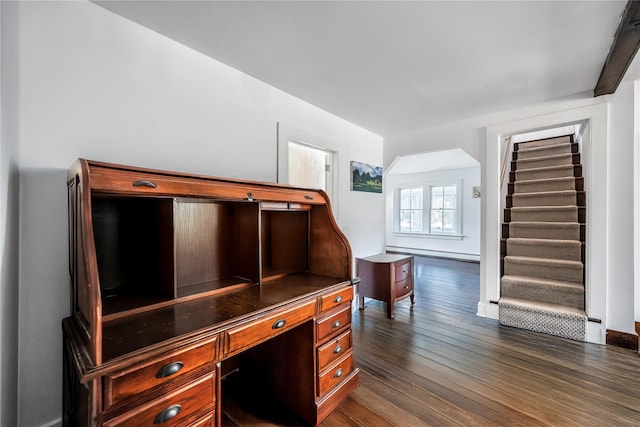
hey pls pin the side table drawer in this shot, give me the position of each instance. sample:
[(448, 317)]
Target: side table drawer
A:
[(402, 271), (334, 322), (261, 329), (334, 349), (139, 378), (172, 408), (403, 287), (335, 373)]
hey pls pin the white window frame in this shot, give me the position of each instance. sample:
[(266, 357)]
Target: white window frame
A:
[(426, 210)]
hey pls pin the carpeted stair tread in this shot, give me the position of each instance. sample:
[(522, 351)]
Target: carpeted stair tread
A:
[(547, 150), (545, 198), (545, 172), (545, 184), (567, 213), (546, 268), (545, 230), (545, 248), (544, 142), (548, 158), (544, 261), (542, 290), (573, 287), (548, 307)]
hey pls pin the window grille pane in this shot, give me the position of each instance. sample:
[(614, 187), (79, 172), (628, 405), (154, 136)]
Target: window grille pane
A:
[(416, 220), (449, 221), (416, 198), (436, 197), (436, 221), (405, 198), (449, 201)]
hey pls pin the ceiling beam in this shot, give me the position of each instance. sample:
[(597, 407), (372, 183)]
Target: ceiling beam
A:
[(623, 49)]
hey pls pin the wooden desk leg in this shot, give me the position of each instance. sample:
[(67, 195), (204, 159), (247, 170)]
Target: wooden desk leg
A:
[(361, 303), (390, 313), (412, 295)]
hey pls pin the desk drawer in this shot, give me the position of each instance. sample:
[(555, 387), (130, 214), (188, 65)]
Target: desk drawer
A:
[(334, 322), (334, 349), (172, 408), (145, 376), (403, 288), (402, 271), (262, 329), (335, 373), (336, 298)]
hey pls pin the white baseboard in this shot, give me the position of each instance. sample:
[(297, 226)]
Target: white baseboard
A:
[(596, 333), (55, 423)]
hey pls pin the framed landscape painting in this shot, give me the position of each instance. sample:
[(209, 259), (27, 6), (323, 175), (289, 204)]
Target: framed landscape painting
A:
[(365, 177)]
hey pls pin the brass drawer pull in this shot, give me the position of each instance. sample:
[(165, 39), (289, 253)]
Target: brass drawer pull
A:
[(336, 324), (170, 369), (338, 349), (337, 299), (145, 183), (167, 414), (308, 197), (279, 324), (338, 373)]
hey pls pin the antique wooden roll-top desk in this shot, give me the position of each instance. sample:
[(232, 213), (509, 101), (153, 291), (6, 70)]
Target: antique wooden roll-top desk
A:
[(195, 299)]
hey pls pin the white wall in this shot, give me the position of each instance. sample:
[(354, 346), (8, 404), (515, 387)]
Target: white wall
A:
[(9, 221), (467, 247), (95, 85), (620, 275)]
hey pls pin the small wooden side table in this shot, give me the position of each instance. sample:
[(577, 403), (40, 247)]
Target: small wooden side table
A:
[(385, 277)]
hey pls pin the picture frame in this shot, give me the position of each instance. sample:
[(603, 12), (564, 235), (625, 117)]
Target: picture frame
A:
[(365, 177)]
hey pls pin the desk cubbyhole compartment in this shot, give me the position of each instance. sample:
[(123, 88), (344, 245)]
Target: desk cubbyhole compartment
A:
[(284, 243), (134, 250), (216, 245)]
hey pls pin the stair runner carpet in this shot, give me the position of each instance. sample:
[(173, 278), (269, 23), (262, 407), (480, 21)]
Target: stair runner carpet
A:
[(542, 283)]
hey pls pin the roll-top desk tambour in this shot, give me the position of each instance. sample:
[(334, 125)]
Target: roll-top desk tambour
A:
[(195, 297), (385, 277)]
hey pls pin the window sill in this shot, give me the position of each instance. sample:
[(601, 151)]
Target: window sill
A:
[(430, 235)]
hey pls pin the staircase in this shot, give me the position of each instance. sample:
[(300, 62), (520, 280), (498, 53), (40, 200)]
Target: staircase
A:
[(542, 247)]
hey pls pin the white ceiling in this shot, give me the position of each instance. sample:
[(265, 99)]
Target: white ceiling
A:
[(392, 66)]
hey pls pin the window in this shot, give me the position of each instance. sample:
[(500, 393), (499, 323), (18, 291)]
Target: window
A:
[(411, 209), (431, 208), (443, 210)]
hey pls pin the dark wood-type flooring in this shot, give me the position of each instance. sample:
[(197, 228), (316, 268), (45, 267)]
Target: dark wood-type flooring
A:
[(439, 364)]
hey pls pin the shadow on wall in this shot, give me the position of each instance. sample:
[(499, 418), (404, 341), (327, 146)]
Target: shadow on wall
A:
[(44, 293), (9, 301)]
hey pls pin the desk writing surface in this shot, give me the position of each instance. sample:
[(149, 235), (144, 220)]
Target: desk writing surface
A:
[(125, 335)]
